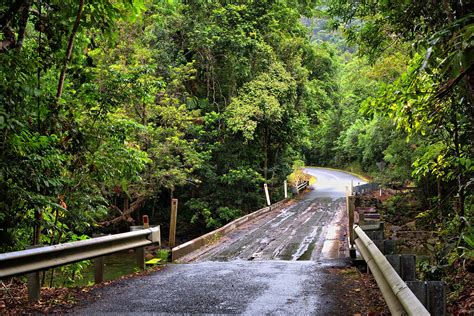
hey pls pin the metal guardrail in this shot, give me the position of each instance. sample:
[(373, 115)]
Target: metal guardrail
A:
[(37, 259), (365, 188), (398, 296)]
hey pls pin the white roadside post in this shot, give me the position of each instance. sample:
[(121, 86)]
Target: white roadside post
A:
[(285, 187), (267, 195)]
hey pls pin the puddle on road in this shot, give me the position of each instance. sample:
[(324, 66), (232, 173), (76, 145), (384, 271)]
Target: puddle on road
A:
[(304, 246), (289, 250), (307, 254)]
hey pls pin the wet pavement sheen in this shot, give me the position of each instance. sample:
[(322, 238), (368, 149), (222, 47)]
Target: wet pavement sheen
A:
[(275, 264)]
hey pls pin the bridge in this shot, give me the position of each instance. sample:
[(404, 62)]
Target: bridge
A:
[(279, 262), (286, 258)]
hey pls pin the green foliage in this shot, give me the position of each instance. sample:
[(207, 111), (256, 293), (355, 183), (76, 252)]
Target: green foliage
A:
[(263, 101), (400, 155), (297, 175), (73, 272), (164, 255), (430, 102), (402, 208), (205, 101), (208, 100)]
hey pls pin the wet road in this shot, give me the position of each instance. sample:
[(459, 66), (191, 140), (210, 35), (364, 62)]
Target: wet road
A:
[(331, 183), (243, 287), (312, 227), (277, 263)]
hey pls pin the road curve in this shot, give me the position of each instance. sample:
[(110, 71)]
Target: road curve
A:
[(311, 227), (331, 183), (278, 263)]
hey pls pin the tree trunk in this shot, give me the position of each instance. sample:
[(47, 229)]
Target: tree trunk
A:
[(37, 228), (70, 45), (25, 13)]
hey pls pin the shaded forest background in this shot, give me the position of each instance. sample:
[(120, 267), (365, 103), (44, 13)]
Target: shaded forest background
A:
[(110, 108)]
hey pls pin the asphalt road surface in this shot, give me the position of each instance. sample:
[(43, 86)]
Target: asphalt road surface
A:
[(278, 264)]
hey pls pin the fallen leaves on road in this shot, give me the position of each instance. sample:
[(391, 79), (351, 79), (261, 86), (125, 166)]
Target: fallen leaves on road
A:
[(361, 290)]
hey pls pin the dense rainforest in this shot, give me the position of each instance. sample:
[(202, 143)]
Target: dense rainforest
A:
[(110, 108)]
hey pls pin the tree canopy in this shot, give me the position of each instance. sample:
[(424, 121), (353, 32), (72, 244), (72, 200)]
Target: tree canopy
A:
[(110, 108)]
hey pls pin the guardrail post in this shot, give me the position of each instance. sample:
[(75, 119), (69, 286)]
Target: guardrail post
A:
[(285, 188), (34, 283), (350, 209), (432, 294), (34, 286), (140, 253), (389, 247), (436, 292), (404, 265), (408, 265), (99, 270), (98, 265), (173, 217)]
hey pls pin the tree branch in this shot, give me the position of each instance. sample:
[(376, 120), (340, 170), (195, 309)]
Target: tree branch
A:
[(135, 206), (449, 85)]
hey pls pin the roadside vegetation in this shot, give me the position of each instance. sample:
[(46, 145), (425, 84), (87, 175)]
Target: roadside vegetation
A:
[(411, 123), (108, 109)]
